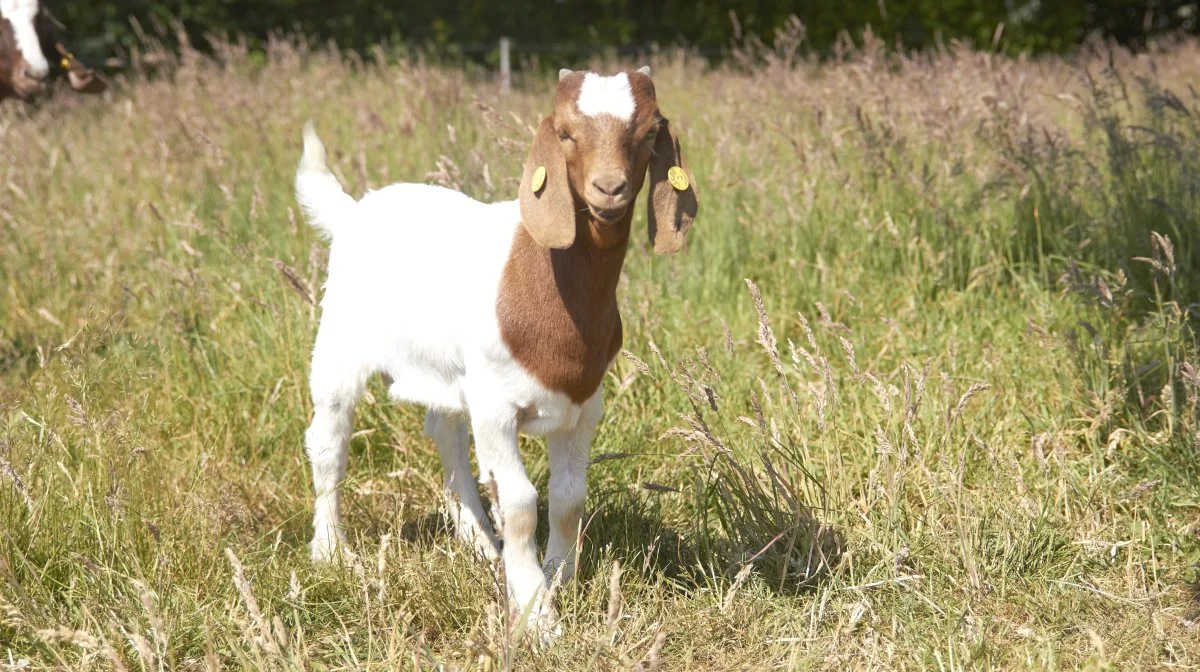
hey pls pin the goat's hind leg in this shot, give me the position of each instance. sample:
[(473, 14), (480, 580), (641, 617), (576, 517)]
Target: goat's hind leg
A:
[(471, 526), (336, 387)]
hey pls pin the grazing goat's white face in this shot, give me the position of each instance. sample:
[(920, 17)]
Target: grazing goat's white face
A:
[(27, 36), (22, 17)]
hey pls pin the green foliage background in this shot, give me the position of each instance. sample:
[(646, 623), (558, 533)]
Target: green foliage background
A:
[(581, 27)]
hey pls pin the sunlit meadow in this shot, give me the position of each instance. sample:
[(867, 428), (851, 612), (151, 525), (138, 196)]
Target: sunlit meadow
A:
[(916, 396)]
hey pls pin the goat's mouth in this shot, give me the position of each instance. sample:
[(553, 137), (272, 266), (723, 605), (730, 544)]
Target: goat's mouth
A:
[(27, 90), (26, 87), (607, 215)]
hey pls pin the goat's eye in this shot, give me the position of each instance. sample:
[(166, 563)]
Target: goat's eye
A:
[(565, 136)]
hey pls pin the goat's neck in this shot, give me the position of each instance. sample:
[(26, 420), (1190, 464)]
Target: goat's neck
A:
[(557, 308), (597, 254)]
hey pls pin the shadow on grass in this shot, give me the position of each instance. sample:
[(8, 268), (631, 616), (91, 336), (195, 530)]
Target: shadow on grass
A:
[(642, 530), (630, 527)]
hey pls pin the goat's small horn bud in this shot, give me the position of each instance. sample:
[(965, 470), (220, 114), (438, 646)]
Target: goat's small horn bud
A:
[(562, 74), (645, 70)]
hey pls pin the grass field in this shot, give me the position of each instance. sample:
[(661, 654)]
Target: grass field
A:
[(917, 395)]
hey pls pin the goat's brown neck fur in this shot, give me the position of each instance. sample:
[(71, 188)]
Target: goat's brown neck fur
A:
[(9, 57), (557, 309)]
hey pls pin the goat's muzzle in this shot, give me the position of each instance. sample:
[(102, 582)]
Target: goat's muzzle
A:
[(607, 196), (27, 87)]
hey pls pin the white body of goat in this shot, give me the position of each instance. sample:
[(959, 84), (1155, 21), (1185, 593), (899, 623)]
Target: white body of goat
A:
[(423, 319), (428, 321), (415, 282)]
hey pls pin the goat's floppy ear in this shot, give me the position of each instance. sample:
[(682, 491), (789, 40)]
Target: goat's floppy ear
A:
[(81, 78), (673, 200), (547, 207)]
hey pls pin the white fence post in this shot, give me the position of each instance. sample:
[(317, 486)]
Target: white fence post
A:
[(505, 65)]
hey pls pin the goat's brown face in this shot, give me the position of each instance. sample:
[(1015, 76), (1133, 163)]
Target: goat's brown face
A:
[(591, 157), (606, 127)]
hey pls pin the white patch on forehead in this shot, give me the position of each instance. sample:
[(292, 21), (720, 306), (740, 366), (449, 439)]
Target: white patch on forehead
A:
[(22, 14), (606, 95)]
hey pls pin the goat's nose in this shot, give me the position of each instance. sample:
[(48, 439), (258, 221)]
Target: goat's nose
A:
[(612, 184)]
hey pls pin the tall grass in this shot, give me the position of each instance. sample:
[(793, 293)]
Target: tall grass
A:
[(920, 394)]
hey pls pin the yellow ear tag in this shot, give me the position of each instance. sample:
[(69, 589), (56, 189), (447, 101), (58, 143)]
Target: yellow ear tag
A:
[(678, 178), (66, 64), (539, 179)]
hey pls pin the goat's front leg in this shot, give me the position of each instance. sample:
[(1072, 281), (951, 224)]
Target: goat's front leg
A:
[(500, 462), (569, 453)]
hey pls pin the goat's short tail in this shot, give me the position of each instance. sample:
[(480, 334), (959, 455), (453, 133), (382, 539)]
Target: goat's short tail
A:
[(317, 190)]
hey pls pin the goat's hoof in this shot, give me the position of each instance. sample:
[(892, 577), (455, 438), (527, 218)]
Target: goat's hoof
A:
[(330, 550), (544, 625), (558, 572)]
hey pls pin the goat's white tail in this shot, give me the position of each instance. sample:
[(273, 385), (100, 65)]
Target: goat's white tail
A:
[(317, 190)]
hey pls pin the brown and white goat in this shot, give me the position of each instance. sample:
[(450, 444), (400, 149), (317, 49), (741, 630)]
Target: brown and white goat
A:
[(31, 53), (500, 317)]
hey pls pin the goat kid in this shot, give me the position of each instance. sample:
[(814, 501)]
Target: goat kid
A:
[(501, 317), (28, 34)]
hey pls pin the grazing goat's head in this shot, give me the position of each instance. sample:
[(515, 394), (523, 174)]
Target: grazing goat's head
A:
[(591, 157), (28, 37)]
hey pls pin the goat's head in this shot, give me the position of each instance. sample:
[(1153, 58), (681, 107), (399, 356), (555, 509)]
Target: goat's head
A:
[(591, 157), (28, 37), (23, 65)]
